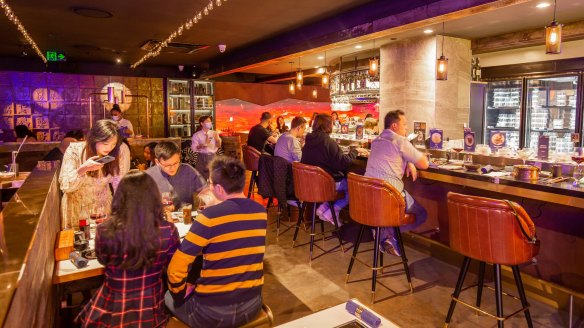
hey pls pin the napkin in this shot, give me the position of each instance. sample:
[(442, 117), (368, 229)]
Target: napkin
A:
[(362, 313)]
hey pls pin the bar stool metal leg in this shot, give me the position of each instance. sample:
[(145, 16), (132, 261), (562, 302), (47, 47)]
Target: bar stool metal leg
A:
[(355, 251), (459, 282), (301, 209), (312, 232), (524, 303), (498, 294), (375, 257), (400, 241), (251, 181), (332, 206), (480, 283)]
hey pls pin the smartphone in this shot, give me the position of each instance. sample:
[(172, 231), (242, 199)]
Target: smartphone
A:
[(104, 160)]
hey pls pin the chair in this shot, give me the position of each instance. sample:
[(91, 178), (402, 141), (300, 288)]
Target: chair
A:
[(251, 158), (502, 234), (313, 185), (375, 203), (265, 317)]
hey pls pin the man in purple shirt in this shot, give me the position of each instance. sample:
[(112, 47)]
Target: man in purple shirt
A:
[(392, 156)]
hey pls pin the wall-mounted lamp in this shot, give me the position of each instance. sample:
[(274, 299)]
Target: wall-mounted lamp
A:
[(442, 62), (553, 36)]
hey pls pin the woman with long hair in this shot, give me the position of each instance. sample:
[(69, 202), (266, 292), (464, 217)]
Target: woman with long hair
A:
[(135, 246), (85, 181), (281, 125)]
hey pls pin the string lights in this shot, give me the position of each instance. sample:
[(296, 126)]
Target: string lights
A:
[(12, 17), (182, 28)]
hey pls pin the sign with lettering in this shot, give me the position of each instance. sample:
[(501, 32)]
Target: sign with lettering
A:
[(56, 56), (543, 148)]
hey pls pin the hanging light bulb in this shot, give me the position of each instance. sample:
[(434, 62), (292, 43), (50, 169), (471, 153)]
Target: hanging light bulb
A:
[(291, 86), (553, 36), (373, 64), (299, 76), (325, 80), (298, 86), (442, 62), (314, 94)]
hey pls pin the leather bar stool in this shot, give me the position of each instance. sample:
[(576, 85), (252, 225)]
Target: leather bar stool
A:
[(313, 185), (493, 231), (264, 318), (375, 203), (251, 159)]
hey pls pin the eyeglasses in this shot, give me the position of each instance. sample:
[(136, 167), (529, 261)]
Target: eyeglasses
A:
[(167, 166)]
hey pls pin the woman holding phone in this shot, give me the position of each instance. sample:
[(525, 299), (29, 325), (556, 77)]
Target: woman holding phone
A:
[(87, 171), (205, 143)]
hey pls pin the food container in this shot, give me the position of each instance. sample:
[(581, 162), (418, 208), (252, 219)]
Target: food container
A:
[(526, 172)]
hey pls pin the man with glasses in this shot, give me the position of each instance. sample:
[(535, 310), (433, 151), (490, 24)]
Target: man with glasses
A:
[(178, 179)]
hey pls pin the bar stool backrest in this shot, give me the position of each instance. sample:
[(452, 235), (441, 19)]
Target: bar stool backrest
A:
[(312, 184), (375, 203), (488, 230), (251, 157)]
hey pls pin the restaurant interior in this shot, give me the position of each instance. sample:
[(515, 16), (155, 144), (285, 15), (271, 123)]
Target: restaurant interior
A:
[(488, 70)]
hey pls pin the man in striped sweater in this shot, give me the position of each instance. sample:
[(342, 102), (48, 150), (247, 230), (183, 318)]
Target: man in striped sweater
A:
[(231, 237)]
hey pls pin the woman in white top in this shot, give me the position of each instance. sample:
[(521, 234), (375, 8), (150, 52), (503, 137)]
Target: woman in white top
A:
[(205, 143), (125, 126), (86, 183)]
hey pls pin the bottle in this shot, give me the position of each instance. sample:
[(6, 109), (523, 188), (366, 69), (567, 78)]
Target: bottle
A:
[(478, 70)]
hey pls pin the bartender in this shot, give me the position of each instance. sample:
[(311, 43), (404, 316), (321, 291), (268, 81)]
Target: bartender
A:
[(124, 125)]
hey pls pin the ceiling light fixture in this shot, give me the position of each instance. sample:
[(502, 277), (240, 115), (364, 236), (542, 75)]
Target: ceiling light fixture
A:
[(299, 76), (320, 57), (442, 62), (118, 60), (183, 27), (325, 79), (291, 86), (428, 31), (12, 17), (373, 64), (543, 5), (314, 94), (358, 46), (553, 36)]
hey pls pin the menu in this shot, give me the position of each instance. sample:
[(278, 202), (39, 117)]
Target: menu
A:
[(497, 139), (543, 147), (345, 128), (469, 141), (420, 130), (436, 139), (359, 132)]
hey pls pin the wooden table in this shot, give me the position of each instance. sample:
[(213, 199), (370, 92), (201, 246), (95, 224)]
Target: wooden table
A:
[(333, 317), (66, 271)]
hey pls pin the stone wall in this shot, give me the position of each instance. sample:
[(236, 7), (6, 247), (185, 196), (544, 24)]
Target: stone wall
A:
[(51, 104)]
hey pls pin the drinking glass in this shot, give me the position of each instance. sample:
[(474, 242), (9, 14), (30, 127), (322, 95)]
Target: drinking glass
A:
[(457, 146), (467, 159), (524, 154), (578, 157)]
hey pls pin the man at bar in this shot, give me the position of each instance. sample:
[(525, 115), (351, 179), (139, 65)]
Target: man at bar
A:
[(260, 137), (231, 237), (288, 145), (180, 180), (392, 156)]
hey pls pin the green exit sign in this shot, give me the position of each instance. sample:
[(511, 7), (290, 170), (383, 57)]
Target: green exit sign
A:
[(55, 56)]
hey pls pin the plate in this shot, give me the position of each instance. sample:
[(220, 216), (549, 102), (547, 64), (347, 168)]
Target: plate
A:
[(5, 175)]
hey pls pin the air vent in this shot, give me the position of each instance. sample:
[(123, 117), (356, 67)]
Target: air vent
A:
[(174, 47)]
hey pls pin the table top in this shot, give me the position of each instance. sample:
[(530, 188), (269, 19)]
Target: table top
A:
[(333, 317), (66, 271)]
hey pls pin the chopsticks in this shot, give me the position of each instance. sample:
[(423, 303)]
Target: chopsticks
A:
[(556, 180)]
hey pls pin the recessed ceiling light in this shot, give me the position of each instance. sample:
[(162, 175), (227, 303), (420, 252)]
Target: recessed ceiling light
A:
[(543, 5), (118, 60), (358, 46), (428, 31), (320, 57)]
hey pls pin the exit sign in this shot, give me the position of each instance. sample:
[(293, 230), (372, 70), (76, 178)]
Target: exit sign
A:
[(55, 56)]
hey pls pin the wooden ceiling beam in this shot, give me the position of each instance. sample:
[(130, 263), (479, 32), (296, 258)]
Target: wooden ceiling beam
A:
[(522, 39)]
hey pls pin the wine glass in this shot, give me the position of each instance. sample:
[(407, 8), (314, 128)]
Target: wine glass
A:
[(457, 146), (524, 154), (578, 157)]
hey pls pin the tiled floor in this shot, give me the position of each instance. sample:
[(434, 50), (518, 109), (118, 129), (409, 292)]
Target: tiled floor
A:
[(293, 288)]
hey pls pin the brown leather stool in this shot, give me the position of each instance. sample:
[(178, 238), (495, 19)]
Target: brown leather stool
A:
[(313, 185), (264, 318), (375, 203), (251, 158), (494, 231)]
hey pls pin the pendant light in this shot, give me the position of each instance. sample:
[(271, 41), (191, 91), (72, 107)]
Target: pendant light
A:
[(299, 76), (325, 80), (373, 64), (314, 94), (442, 62), (291, 86), (553, 36)]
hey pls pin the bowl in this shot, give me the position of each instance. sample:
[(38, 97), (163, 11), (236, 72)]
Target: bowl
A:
[(472, 167)]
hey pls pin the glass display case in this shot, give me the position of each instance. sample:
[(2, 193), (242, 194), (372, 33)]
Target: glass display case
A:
[(551, 111), (503, 110), (188, 100)]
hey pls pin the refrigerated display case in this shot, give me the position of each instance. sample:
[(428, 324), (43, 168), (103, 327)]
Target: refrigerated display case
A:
[(188, 100), (551, 111), (503, 110)]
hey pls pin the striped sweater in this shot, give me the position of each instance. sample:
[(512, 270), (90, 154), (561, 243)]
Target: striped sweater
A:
[(231, 236)]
